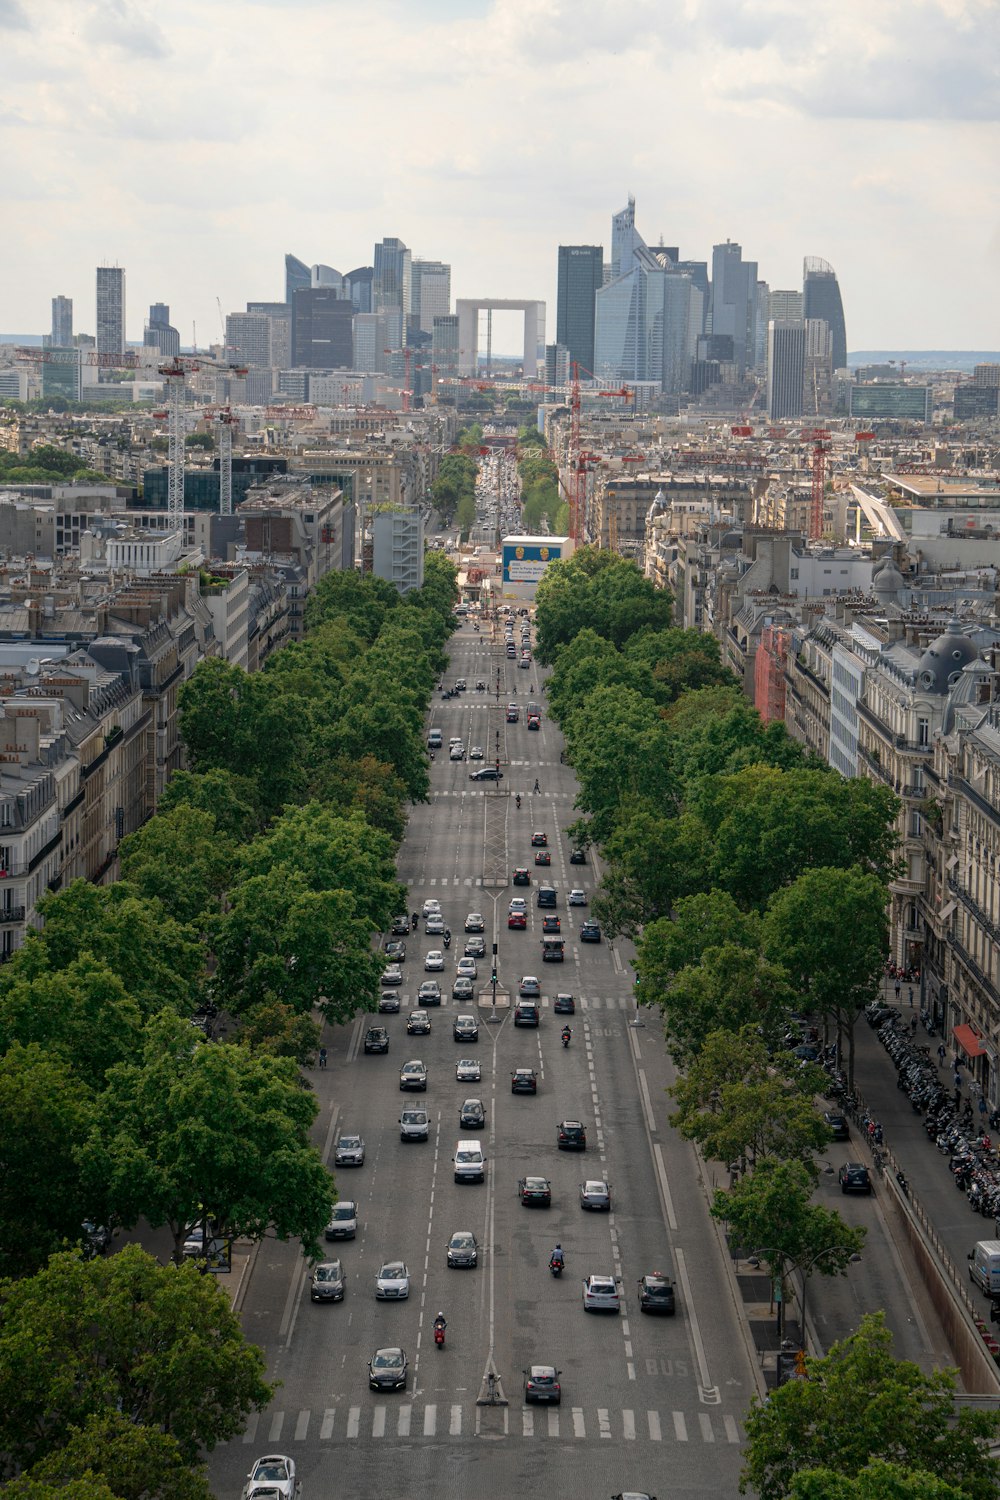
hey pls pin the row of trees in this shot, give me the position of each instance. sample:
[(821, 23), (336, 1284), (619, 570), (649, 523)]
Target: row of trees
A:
[(540, 494), (46, 464), (454, 489), (257, 888), (754, 881)]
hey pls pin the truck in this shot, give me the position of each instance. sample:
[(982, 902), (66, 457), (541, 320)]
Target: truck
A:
[(984, 1266)]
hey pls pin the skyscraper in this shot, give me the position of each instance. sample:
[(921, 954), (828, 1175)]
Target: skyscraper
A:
[(321, 330), (62, 322), (648, 317), (110, 312), (734, 301), (248, 340), (371, 339), (784, 307), (391, 280), (327, 276), (430, 292), (444, 347), (297, 277), (821, 299), (359, 283), (159, 334), (786, 356), (581, 275)]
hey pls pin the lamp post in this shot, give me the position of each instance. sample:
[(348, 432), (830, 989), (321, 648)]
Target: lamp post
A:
[(854, 1258), (780, 1257)]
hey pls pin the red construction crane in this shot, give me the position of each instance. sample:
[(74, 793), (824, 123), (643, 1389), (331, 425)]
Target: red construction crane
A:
[(820, 440)]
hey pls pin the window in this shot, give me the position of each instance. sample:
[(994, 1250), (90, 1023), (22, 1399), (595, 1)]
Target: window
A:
[(923, 731)]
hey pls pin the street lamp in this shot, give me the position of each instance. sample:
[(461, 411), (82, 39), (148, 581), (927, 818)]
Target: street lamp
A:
[(853, 1260)]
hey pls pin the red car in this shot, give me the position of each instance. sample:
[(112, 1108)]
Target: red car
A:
[(518, 920)]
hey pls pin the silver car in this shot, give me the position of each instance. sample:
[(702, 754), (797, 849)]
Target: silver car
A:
[(434, 962), (392, 1283), (468, 968), (350, 1152), (343, 1223), (327, 1282), (272, 1476), (468, 1070), (595, 1193)]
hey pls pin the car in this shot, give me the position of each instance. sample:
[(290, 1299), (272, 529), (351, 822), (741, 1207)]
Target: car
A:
[(577, 897), (460, 684), (413, 1075), (526, 1013), (571, 1135), (376, 1039), (457, 752), (656, 1294), (327, 1283), (551, 923), (388, 1003), (475, 922), (517, 903), (577, 857), (476, 753), (838, 1126), (387, 1370), (543, 857), (395, 951), (600, 1294), (392, 975), (521, 876), (343, 1223), (430, 906), (434, 925), (539, 840), (854, 1177), (590, 932), (534, 722), (429, 993), (392, 1284), (273, 1477), (595, 1193), (534, 1192), (564, 1005), (463, 988), (472, 1114), (529, 986), (486, 773), (541, 1383), (414, 1125), (434, 961), (468, 1070), (465, 1028), (517, 921), (463, 1250), (418, 1023), (513, 713), (523, 1081), (468, 967), (400, 926), (475, 946), (553, 949), (546, 897), (350, 1152)]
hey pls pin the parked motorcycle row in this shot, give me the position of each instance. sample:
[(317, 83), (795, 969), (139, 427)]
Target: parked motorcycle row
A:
[(958, 1131)]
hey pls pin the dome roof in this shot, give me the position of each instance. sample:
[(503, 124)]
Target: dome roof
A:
[(944, 659), (888, 580)]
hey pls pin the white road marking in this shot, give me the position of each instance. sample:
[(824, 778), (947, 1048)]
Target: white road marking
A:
[(353, 1421), (403, 1425), (455, 1426), (302, 1425), (579, 1427), (251, 1427), (527, 1422), (705, 1421), (326, 1430), (553, 1415), (628, 1425), (603, 1422), (378, 1422), (430, 1421), (680, 1427), (655, 1431), (277, 1422), (732, 1429)]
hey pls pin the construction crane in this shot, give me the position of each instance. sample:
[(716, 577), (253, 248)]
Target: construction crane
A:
[(820, 440), (175, 372), (407, 354)]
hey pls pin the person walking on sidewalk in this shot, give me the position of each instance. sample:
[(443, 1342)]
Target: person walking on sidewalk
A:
[(910, 994), (899, 989), (942, 1053)]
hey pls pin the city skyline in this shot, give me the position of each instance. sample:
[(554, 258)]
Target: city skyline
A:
[(803, 136)]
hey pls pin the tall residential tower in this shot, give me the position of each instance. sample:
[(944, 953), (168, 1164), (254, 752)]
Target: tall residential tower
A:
[(111, 312), (821, 299)]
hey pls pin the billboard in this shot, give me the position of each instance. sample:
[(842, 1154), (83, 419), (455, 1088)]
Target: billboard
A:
[(525, 558)]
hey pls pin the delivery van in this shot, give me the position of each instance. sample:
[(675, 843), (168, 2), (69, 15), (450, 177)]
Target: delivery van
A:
[(470, 1163), (984, 1266)]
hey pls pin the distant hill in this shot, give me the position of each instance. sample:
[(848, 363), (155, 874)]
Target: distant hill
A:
[(926, 359)]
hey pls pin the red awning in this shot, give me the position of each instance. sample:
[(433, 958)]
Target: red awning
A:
[(969, 1041)]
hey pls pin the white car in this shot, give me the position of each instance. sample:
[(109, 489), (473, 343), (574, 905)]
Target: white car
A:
[(468, 968), (430, 905), (272, 1476), (517, 903), (457, 752), (350, 1152), (434, 962), (467, 1070), (577, 897), (600, 1294), (392, 1283), (434, 925)]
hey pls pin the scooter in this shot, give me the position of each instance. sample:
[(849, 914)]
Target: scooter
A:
[(439, 1328), (566, 1036), (447, 940), (556, 1265), (517, 800), (414, 920)]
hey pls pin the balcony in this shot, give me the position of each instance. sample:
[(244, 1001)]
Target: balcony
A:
[(10, 914), (968, 962), (974, 909)]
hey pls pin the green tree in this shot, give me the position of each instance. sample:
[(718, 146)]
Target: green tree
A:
[(860, 1404), (465, 514), (368, 785), (182, 860), (162, 1344), (45, 1120), (653, 860), (90, 1487), (878, 1480), (133, 1461), (278, 1030), (730, 987), (203, 440), (80, 1014), (188, 1134), (227, 796), (705, 920), (829, 930), (363, 601), (600, 589)]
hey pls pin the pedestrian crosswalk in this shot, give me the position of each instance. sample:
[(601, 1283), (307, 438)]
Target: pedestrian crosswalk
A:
[(387, 1421)]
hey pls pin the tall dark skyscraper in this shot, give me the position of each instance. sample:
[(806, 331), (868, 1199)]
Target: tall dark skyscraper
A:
[(62, 322), (297, 277), (786, 356), (158, 332), (321, 330), (359, 281), (821, 299), (581, 273)]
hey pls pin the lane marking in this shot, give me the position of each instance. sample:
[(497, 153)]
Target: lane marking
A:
[(603, 1422), (705, 1422), (277, 1422), (353, 1421), (251, 1427), (403, 1425), (553, 1415), (302, 1426), (628, 1425), (708, 1392), (579, 1427), (326, 1430), (680, 1427), (378, 1422), (647, 1103), (430, 1421), (655, 1431), (732, 1430)]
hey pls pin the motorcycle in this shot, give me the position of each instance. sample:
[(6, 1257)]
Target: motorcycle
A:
[(414, 920), (439, 1328), (517, 800), (566, 1036), (556, 1264), (447, 939)]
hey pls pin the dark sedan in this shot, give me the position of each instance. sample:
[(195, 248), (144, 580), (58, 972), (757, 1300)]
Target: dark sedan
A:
[(854, 1177), (590, 933), (656, 1294), (534, 1192), (523, 1081), (387, 1370)]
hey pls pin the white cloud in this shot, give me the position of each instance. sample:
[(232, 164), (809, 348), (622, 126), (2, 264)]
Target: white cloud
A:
[(13, 16)]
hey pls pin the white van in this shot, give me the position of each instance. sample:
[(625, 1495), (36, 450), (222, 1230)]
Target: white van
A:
[(984, 1266), (414, 1125), (470, 1163)]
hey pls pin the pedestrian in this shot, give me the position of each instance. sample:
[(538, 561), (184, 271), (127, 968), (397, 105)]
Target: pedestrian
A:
[(322, 1057), (910, 992), (982, 1105), (899, 989), (941, 1053), (878, 1135), (913, 1025), (958, 1084)]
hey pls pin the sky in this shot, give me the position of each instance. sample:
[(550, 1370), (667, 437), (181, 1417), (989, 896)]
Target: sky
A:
[(195, 142)]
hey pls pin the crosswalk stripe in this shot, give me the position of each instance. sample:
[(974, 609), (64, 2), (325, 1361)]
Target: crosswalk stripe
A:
[(527, 1422), (353, 1421), (455, 1426), (326, 1431), (579, 1429), (406, 1425), (553, 1422), (628, 1424), (708, 1436), (732, 1430), (378, 1422), (403, 1426), (680, 1427), (302, 1425), (603, 1422), (251, 1427), (430, 1420), (655, 1432), (277, 1422)]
